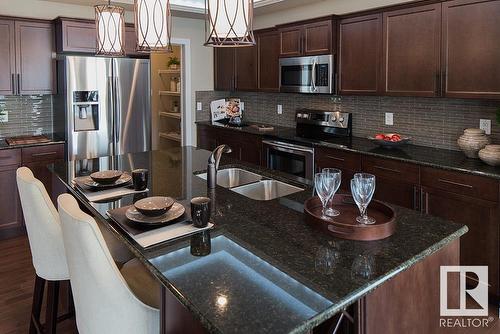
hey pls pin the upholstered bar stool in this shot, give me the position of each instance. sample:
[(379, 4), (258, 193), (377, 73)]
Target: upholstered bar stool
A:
[(104, 301), (47, 249)]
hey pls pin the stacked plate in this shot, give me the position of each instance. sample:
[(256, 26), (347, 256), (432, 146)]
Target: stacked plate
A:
[(154, 211), (106, 179)]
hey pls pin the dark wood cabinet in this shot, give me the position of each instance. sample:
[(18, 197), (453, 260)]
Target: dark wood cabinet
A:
[(36, 158), (245, 146), (307, 39), (397, 182), (411, 51), (11, 221), (27, 59), (79, 36), (473, 201), (348, 163), (7, 57), (34, 57), (470, 48), (246, 68), (268, 52), (360, 55), (224, 69)]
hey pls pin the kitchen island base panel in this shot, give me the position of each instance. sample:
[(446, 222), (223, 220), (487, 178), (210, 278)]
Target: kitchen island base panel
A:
[(408, 303)]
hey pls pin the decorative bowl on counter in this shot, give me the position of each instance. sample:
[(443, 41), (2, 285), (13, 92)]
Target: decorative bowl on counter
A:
[(490, 155), (106, 176), (154, 206), (472, 141), (389, 140)]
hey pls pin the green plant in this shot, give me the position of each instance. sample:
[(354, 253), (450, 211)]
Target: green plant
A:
[(173, 61)]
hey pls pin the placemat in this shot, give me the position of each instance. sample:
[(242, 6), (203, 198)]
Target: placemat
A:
[(102, 195), (147, 237)]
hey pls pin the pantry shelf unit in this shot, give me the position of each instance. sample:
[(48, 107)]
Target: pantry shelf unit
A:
[(175, 115), (168, 93), (171, 136), (165, 72)]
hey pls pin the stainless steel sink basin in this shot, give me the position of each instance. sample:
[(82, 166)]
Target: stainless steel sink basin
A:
[(266, 190), (233, 177)]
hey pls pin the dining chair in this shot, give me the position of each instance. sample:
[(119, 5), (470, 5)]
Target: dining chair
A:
[(106, 300), (47, 249)]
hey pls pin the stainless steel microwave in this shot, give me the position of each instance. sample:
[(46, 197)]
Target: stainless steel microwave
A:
[(307, 74)]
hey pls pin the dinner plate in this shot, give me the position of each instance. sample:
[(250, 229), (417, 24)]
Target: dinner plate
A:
[(175, 212), (87, 181)]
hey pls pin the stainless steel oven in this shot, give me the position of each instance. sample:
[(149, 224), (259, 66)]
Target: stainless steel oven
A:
[(307, 74), (289, 158)]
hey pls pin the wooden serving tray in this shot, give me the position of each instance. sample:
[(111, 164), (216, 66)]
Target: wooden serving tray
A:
[(345, 226)]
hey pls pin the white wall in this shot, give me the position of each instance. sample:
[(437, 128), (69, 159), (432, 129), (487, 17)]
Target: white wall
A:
[(185, 28), (318, 9)]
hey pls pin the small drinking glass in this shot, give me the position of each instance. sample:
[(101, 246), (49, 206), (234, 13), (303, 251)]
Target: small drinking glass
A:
[(362, 188), (323, 183), (337, 179)]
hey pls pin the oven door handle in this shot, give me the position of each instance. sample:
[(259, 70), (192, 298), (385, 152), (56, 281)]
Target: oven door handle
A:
[(289, 148)]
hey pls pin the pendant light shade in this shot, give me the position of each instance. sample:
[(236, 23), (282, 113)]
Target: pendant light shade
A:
[(153, 24), (110, 27), (229, 23)]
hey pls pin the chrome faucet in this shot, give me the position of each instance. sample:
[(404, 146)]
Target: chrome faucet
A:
[(213, 164)]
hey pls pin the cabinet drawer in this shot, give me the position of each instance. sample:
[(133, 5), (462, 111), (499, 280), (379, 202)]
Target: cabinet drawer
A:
[(10, 157), (338, 159), (43, 153), (460, 183), (391, 169)]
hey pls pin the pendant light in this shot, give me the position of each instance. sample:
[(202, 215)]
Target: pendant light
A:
[(229, 23), (153, 25), (110, 27)]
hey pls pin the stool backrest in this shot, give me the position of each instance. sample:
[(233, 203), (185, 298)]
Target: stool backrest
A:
[(43, 227), (103, 301)]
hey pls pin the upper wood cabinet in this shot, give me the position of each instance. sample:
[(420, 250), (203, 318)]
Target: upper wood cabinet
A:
[(224, 69), (411, 51), (471, 48), (246, 68), (79, 36), (268, 52), (27, 57), (306, 39), (7, 58), (35, 57), (360, 55)]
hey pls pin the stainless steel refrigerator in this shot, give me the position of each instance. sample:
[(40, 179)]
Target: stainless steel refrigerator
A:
[(103, 105)]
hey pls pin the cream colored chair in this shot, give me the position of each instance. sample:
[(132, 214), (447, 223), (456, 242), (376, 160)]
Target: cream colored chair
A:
[(47, 249), (104, 302)]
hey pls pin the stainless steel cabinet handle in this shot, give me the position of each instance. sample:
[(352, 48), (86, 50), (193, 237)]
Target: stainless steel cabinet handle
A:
[(43, 154), (388, 169), (468, 186), (335, 158), (18, 84)]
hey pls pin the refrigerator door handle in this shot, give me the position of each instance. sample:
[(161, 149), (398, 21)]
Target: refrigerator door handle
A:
[(117, 115)]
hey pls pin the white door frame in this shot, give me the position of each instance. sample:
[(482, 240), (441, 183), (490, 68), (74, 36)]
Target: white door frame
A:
[(187, 94)]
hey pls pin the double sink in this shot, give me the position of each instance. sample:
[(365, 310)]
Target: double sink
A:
[(252, 185)]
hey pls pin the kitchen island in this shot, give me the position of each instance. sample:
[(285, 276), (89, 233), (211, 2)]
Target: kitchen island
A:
[(266, 271)]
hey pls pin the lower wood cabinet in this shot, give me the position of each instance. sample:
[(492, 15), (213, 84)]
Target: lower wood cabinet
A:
[(245, 147), (36, 158), (348, 163), (443, 195)]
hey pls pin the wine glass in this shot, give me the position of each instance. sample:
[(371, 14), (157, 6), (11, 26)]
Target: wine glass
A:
[(323, 183), (337, 176), (362, 188)]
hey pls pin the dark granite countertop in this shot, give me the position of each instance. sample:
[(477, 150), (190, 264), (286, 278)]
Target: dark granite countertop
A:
[(421, 155), (54, 139), (268, 271)]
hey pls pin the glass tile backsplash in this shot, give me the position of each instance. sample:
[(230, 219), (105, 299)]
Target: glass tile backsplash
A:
[(25, 115)]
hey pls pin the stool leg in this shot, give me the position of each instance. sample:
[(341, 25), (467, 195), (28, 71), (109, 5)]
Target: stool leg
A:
[(36, 308), (52, 303)]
